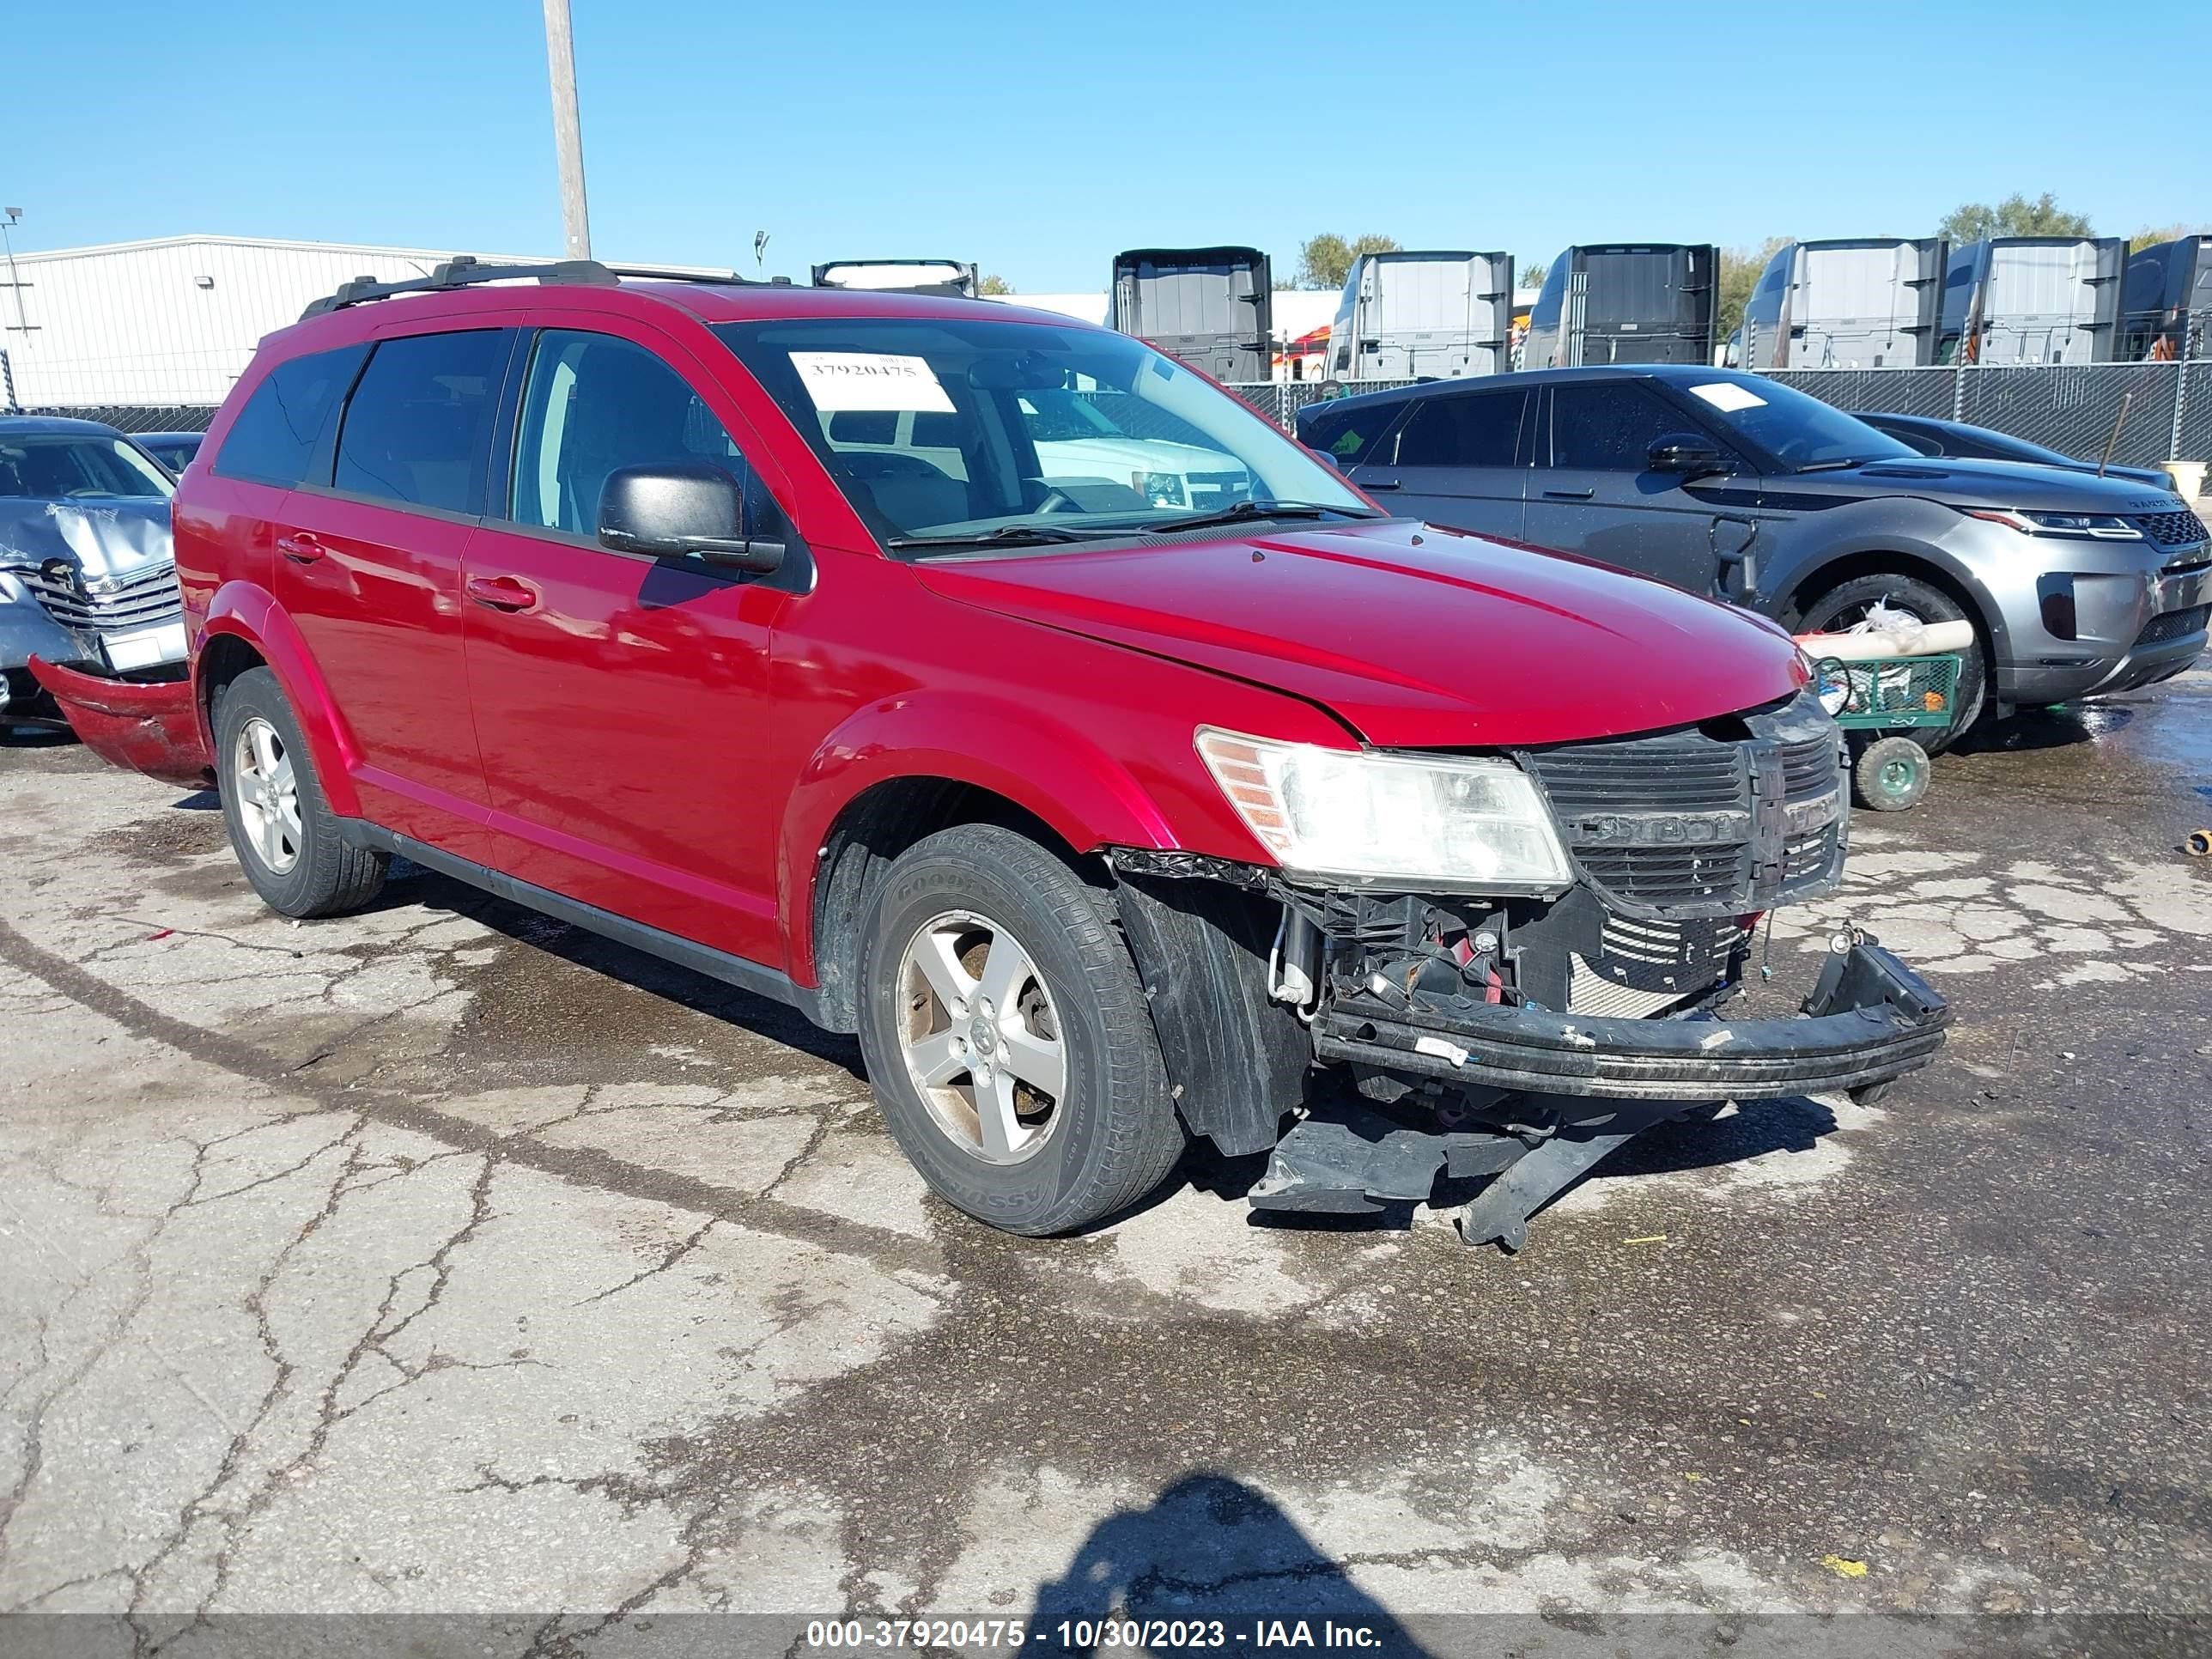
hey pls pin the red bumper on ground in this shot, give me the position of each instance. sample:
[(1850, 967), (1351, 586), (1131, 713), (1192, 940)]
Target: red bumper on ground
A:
[(152, 728)]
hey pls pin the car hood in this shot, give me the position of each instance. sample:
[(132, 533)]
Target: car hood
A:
[(2028, 485), (1413, 637), (100, 539)]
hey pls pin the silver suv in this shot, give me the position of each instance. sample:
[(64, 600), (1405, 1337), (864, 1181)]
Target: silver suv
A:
[(87, 576), (1738, 487)]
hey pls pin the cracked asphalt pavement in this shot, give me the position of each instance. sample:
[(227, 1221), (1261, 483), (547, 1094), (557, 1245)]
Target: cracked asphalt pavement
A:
[(445, 1260)]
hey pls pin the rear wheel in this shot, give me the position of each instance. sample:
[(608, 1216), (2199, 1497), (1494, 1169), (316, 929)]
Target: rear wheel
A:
[(1836, 610), (1007, 1037), (282, 828)]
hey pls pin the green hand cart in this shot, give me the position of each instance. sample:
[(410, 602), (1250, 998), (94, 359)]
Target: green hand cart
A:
[(1880, 703)]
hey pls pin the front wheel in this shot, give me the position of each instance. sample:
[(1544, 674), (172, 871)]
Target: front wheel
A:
[(1007, 1037), (1836, 610)]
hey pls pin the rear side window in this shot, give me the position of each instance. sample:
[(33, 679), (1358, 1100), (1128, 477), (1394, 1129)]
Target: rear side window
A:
[(1348, 434), (417, 428), (1482, 430), (1609, 426), (273, 440)]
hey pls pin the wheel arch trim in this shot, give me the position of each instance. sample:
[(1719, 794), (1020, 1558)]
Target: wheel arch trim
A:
[(250, 613)]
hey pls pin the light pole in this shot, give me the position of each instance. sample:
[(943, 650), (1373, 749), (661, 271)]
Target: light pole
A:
[(6, 224), (567, 131)]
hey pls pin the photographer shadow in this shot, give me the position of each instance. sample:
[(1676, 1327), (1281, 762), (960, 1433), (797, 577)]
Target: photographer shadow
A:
[(1208, 1547)]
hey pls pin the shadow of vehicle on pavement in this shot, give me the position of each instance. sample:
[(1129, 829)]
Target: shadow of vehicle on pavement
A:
[(1209, 1546), (2032, 729), (412, 886)]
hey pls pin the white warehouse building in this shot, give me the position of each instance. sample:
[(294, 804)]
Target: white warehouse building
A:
[(175, 320)]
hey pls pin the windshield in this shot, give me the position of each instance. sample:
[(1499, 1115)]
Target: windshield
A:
[(66, 466), (1798, 430), (943, 432)]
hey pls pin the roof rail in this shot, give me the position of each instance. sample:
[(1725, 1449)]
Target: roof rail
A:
[(466, 270)]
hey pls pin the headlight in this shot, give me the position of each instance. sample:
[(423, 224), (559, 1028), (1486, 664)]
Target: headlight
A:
[(1160, 488), (2103, 525), (1476, 823)]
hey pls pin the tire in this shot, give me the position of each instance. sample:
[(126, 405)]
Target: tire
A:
[(292, 852), (1110, 1134), (1929, 604), (1890, 775)]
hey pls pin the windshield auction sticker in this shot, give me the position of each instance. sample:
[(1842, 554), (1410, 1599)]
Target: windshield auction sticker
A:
[(877, 381), (1725, 395)]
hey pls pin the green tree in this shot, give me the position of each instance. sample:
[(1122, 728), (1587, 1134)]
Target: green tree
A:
[(1977, 222), (1738, 275), (1324, 261), (1531, 275), (2152, 235), (994, 285)]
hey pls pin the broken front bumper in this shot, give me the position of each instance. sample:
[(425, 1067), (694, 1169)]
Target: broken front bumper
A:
[(1583, 1087), (145, 725), (1869, 1019)]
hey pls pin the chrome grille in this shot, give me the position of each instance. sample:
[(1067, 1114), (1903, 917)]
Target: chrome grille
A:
[(1736, 816), (2171, 528), (108, 604)]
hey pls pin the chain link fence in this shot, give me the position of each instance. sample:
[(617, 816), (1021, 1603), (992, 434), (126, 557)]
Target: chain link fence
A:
[(138, 417), (2159, 411), (1280, 401)]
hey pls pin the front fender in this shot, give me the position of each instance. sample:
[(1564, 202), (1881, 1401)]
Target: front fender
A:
[(1929, 537), (249, 613), (1089, 798)]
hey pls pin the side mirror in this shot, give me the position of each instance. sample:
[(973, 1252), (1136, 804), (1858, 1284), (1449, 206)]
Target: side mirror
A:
[(683, 510), (1687, 453)]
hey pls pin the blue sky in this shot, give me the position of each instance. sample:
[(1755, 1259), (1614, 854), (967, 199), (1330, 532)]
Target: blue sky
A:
[(1038, 138)]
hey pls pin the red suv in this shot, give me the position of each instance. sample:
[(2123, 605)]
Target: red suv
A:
[(999, 690)]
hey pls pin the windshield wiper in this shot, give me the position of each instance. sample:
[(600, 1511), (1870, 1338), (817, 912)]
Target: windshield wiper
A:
[(1006, 535), (1243, 511), (1833, 466)]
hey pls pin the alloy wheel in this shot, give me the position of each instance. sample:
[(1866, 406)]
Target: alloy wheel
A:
[(266, 791), (981, 1037)]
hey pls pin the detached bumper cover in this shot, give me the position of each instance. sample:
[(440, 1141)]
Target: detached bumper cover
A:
[(1869, 1019), (152, 728)]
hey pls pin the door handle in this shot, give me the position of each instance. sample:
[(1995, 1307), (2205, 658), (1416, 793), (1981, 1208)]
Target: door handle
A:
[(1569, 494), (1379, 484), (502, 592), (301, 547)]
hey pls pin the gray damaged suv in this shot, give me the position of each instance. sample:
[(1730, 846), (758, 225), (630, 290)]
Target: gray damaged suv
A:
[(1737, 487), (86, 574)]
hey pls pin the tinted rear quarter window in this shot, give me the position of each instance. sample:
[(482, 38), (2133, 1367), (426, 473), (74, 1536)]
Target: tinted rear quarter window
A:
[(1467, 430), (417, 426), (1348, 434), (1609, 426), (273, 440)]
